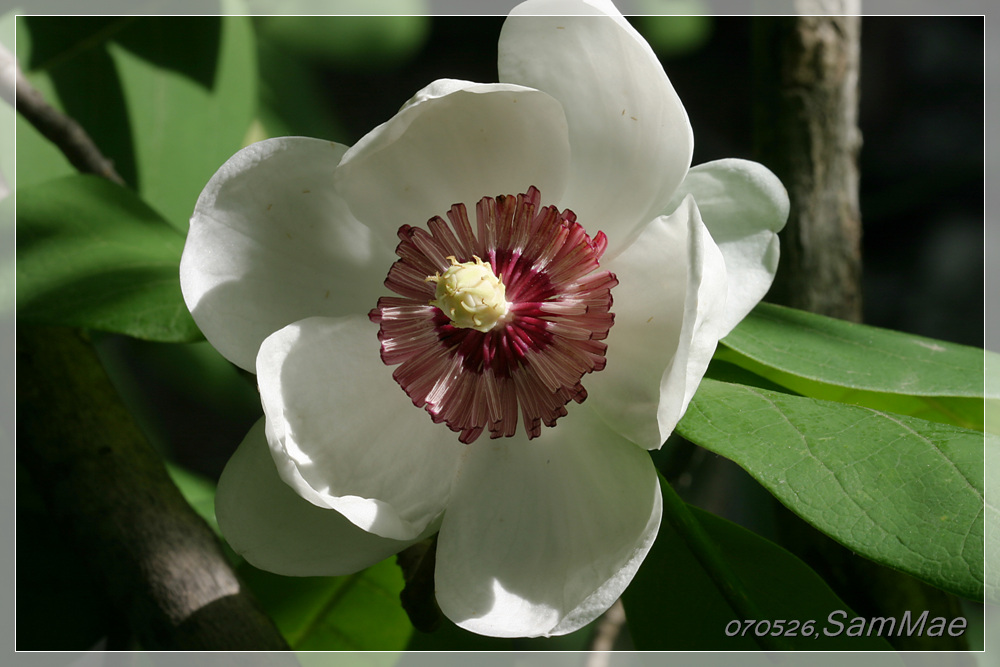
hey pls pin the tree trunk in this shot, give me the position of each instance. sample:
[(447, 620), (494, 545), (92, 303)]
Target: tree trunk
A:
[(806, 86)]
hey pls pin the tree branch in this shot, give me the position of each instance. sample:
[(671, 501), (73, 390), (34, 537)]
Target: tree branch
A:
[(67, 135), (109, 491)]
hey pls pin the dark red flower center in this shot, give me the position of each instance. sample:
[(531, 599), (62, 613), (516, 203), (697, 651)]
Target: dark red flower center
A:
[(536, 349)]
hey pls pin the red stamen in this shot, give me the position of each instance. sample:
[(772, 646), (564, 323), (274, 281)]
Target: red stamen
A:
[(532, 361)]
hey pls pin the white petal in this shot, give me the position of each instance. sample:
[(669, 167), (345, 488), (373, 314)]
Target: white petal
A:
[(541, 537), (456, 142), (345, 436), (744, 206), (630, 138), (274, 529), (668, 302), (271, 243)]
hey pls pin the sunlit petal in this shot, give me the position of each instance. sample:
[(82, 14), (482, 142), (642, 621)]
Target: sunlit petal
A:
[(744, 206), (275, 529), (271, 243), (630, 137), (671, 294), (454, 143), (344, 435), (542, 536)]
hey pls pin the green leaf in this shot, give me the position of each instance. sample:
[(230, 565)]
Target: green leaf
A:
[(294, 98), (993, 519), (357, 612), (168, 99), (992, 462), (91, 254), (901, 491), (725, 371), (658, 602), (835, 360), (198, 491)]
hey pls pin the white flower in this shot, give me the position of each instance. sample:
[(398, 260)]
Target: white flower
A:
[(541, 529)]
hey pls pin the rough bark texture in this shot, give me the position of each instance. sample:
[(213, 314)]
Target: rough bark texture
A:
[(807, 99), (105, 487)]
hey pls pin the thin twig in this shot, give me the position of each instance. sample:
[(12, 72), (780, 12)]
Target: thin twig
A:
[(67, 135)]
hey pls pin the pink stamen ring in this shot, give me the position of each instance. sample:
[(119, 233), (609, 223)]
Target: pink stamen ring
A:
[(512, 316)]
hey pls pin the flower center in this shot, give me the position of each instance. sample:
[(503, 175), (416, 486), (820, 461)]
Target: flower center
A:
[(470, 294), (500, 322)]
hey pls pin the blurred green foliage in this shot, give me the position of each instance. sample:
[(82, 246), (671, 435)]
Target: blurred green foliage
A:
[(357, 42), (674, 28)]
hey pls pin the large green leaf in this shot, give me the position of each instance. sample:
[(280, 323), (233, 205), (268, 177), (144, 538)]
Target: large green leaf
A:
[(91, 254), (671, 584), (901, 491), (992, 460), (993, 519), (357, 612), (841, 361), (168, 99)]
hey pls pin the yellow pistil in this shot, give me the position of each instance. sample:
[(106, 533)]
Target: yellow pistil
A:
[(470, 294)]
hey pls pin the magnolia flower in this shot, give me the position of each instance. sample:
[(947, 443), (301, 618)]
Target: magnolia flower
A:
[(477, 320)]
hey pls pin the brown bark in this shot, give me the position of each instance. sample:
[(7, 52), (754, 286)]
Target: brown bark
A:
[(108, 490), (806, 88)]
